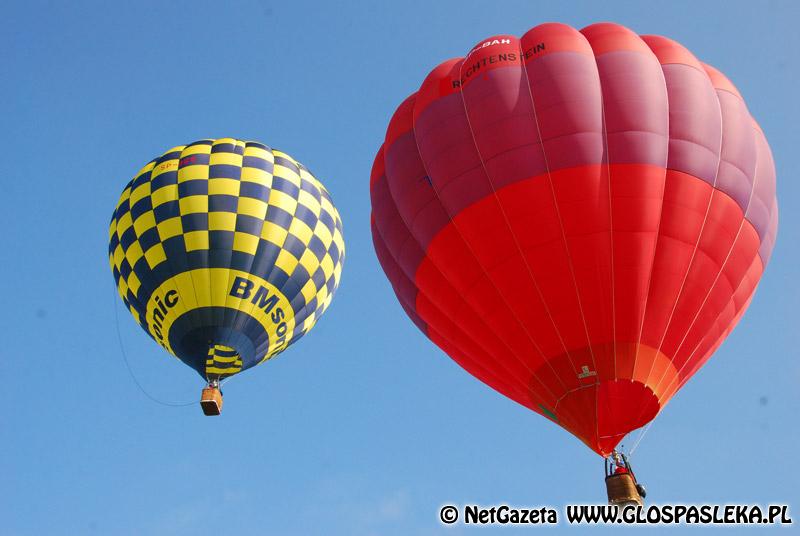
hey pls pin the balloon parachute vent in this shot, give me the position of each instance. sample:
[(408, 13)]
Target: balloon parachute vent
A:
[(621, 489), (211, 401)]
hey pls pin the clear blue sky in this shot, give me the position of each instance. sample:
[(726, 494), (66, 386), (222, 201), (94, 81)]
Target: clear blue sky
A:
[(364, 427)]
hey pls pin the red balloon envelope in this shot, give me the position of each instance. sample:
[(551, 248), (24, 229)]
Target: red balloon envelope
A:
[(578, 218)]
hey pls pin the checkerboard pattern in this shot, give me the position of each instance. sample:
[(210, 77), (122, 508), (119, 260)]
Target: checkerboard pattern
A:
[(232, 204)]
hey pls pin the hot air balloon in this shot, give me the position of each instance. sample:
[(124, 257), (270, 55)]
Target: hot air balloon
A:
[(226, 252), (577, 218)]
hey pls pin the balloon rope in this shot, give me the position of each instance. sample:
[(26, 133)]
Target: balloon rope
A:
[(130, 370), (641, 435)]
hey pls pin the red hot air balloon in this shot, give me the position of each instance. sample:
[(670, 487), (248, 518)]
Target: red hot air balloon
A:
[(577, 218)]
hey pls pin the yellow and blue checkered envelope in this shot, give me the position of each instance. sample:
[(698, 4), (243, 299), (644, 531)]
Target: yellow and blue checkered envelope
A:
[(225, 252)]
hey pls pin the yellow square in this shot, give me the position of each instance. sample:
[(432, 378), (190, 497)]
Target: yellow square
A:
[(134, 253), (176, 149), (221, 221), (309, 262), (230, 159), (256, 175), (169, 228), (274, 233), (124, 223), (282, 200), (286, 262), (245, 243), (155, 255), (193, 172), (200, 148), (134, 283), (310, 202), (144, 222), (119, 254), (223, 186), (309, 290), (328, 207), (164, 194), (324, 234), (196, 240), (194, 204), (300, 230), (258, 152), (304, 173), (337, 239), (252, 207), (327, 266), (286, 173), (143, 190), (122, 287)]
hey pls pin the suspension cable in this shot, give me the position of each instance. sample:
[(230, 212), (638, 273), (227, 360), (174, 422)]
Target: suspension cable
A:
[(130, 370)]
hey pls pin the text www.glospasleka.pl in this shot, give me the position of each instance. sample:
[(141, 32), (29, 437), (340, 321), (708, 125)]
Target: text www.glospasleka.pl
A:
[(589, 514)]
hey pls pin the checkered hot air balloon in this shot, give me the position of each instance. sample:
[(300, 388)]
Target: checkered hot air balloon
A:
[(578, 218), (226, 252)]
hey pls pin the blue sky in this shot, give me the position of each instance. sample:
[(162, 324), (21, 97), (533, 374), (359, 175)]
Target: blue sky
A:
[(364, 427)]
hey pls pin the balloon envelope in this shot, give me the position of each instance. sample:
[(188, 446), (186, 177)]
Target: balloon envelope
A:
[(225, 252), (578, 218)]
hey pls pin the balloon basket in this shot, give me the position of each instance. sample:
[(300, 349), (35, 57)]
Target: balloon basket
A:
[(211, 401), (621, 489)]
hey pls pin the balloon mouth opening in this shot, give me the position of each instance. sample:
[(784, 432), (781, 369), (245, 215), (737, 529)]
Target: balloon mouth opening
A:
[(604, 391), (212, 350), (616, 408), (222, 361)]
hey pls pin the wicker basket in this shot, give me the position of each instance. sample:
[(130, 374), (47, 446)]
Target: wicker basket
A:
[(621, 489), (211, 401)]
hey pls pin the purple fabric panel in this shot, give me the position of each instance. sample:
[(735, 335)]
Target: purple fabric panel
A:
[(758, 212), (737, 166), (635, 106), (768, 242), (446, 146), (394, 233), (695, 122), (764, 202), (502, 120), (403, 287), (412, 192), (566, 89)]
